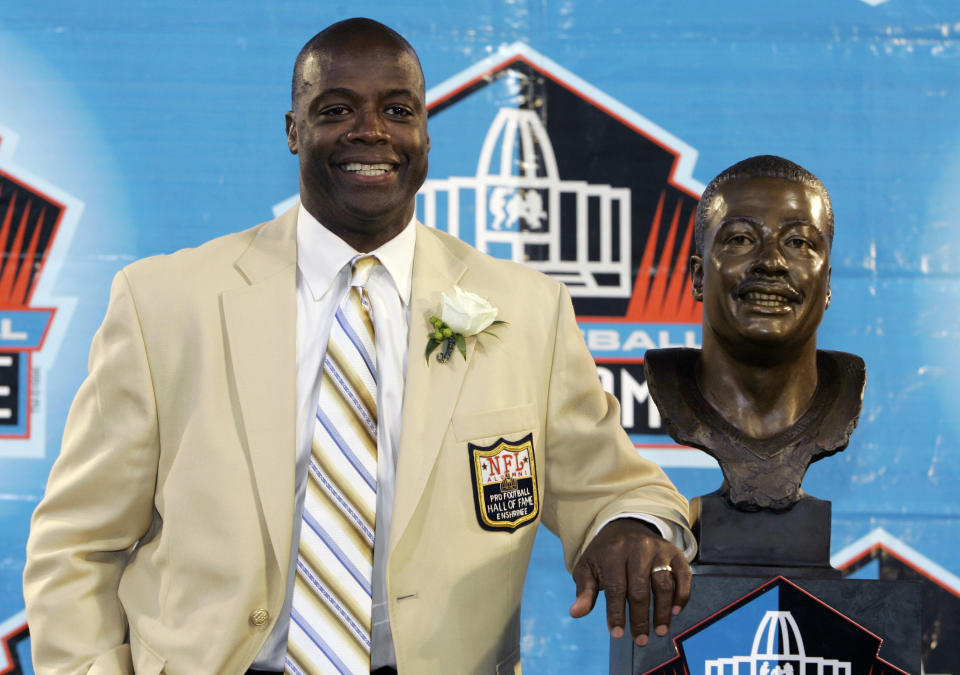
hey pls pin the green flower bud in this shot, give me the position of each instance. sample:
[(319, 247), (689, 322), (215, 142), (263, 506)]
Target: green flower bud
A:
[(438, 335), (447, 332)]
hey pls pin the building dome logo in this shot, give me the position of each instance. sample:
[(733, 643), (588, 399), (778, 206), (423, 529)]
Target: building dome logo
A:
[(778, 628), (533, 164), (516, 198), (777, 650)]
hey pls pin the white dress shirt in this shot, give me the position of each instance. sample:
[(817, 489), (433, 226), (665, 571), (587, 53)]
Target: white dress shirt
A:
[(323, 280)]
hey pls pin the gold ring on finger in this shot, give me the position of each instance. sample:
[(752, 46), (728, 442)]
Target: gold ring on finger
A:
[(661, 568)]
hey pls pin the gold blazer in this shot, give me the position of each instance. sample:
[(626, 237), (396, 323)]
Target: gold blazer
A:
[(163, 541)]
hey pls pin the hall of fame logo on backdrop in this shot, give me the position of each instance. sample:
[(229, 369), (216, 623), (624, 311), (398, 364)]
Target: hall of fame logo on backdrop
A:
[(544, 169), (37, 221)]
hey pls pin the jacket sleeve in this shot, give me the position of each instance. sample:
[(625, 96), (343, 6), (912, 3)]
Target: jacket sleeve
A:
[(98, 505), (593, 470)]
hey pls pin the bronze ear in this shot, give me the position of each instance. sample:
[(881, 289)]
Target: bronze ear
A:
[(696, 277), (829, 291)]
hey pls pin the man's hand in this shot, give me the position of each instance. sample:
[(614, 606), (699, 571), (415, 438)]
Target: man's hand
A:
[(625, 560)]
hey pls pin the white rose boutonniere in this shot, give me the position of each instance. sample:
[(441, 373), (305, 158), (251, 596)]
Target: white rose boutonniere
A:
[(462, 315)]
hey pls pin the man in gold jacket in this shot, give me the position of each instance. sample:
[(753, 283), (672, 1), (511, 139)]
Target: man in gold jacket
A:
[(165, 539)]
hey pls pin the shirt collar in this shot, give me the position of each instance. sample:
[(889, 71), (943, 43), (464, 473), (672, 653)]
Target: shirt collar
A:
[(321, 255)]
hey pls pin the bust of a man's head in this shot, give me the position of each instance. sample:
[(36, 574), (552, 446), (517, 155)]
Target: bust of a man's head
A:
[(764, 228), (759, 396)]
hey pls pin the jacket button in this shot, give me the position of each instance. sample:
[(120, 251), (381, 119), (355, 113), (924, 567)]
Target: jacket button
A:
[(259, 617)]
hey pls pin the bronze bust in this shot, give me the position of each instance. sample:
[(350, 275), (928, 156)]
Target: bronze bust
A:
[(760, 397)]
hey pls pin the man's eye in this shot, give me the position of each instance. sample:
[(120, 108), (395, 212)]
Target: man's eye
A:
[(335, 111), (739, 240), (799, 242), (398, 111)]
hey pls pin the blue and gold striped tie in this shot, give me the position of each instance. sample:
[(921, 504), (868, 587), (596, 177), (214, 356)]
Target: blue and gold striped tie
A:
[(332, 599)]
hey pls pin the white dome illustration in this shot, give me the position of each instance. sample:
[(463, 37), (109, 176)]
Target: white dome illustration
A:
[(777, 650), (515, 202)]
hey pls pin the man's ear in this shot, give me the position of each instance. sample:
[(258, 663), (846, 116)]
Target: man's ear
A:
[(696, 277), (827, 306), (291, 122)]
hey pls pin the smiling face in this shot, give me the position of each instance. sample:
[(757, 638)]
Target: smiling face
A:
[(764, 277), (359, 126)]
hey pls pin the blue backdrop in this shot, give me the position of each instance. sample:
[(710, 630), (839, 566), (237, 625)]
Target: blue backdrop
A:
[(143, 127)]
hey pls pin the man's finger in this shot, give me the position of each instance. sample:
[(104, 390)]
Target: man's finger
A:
[(586, 591), (683, 578), (615, 590), (638, 597), (661, 580)]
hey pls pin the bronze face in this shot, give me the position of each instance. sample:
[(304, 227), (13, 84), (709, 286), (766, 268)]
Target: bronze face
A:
[(764, 277), (360, 129)]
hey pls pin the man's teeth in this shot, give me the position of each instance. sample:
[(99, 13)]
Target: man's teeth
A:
[(766, 299), (367, 169)]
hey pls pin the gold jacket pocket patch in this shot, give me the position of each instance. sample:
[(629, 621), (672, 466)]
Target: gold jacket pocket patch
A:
[(504, 483)]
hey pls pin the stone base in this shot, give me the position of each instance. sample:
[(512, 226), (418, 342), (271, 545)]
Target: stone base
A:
[(890, 610), (798, 538)]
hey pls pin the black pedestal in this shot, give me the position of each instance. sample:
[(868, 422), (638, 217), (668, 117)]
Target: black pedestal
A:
[(838, 621), (798, 539)]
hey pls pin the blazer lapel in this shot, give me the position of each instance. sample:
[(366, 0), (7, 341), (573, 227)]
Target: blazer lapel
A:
[(260, 333), (431, 389)]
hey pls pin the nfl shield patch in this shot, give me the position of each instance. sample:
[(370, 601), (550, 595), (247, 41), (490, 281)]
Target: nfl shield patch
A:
[(504, 483)]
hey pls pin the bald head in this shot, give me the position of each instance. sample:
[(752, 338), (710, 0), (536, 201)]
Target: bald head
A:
[(346, 34), (359, 128)]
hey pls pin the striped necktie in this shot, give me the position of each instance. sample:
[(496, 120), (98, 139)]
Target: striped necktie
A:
[(330, 617)]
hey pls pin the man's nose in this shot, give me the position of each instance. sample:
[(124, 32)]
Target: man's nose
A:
[(770, 259), (368, 127)]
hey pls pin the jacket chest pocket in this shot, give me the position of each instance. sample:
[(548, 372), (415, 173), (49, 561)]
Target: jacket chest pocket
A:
[(488, 425)]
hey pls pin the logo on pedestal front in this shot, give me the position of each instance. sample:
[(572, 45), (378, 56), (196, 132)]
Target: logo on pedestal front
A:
[(777, 629), (777, 650)]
